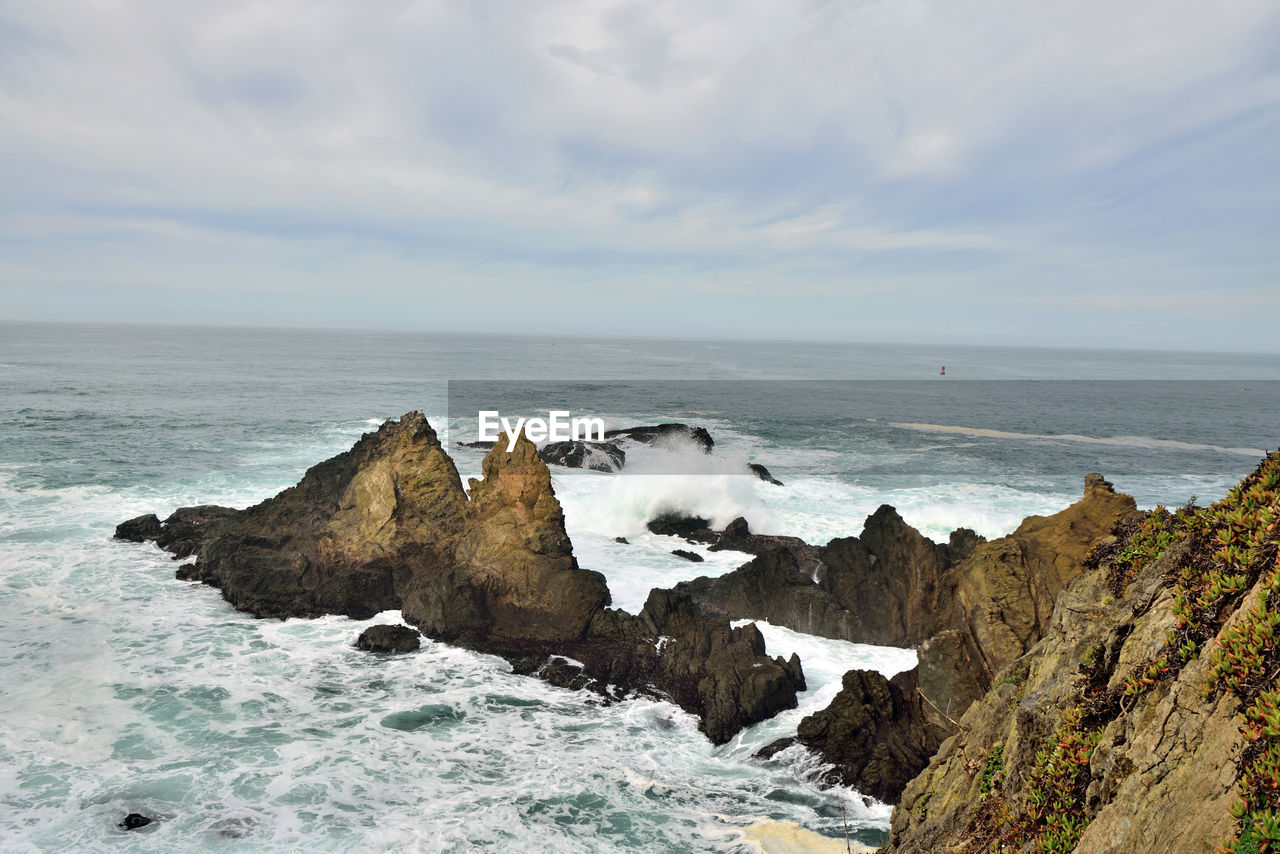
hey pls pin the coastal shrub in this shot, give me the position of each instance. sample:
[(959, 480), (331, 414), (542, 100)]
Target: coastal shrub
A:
[(1245, 659), (1053, 816), (993, 773), (1224, 550)]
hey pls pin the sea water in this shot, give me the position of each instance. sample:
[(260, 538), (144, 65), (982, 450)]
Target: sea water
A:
[(123, 690)]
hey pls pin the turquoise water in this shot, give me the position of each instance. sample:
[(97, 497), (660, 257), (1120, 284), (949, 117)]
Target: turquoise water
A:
[(123, 690)]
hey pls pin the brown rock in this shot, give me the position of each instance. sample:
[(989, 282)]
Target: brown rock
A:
[(387, 525), (512, 574)]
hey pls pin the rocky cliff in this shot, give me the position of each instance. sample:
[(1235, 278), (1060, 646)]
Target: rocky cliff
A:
[(388, 525), (1147, 718), (978, 605)]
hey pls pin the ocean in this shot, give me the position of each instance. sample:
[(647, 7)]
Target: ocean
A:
[(123, 690)]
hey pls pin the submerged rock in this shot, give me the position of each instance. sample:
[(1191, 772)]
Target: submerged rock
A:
[(133, 821), (386, 638)]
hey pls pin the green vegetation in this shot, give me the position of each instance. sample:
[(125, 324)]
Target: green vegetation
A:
[(1229, 547), (993, 773), (1212, 556)]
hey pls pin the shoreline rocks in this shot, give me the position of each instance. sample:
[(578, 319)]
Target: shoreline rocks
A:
[(389, 639), (387, 525)]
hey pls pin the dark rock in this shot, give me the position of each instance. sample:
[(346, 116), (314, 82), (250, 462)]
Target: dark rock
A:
[(133, 821), (666, 434), (772, 587), (875, 733), (386, 638), (687, 555), (187, 527), (482, 446), (763, 473), (139, 529), (622, 541), (738, 537), (596, 456), (695, 529)]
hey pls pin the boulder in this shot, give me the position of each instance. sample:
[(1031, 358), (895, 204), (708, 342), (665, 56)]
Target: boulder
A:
[(693, 557), (875, 734), (140, 529), (390, 639), (134, 820)]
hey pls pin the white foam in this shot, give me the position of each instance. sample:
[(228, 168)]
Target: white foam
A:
[(1147, 442)]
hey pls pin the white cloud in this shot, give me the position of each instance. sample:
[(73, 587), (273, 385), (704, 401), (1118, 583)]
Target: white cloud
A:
[(859, 144)]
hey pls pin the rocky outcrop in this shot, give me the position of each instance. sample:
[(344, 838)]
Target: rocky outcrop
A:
[(998, 601), (670, 435), (389, 639), (719, 673), (874, 732), (1144, 718), (694, 529), (771, 587), (345, 540), (511, 576), (972, 606), (1161, 777), (692, 557), (595, 456), (737, 536), (763, 473), (885, 586), (388, 525)]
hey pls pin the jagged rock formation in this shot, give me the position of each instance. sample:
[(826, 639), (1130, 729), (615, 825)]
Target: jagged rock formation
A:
[(1128, 725), (975, 605), (1000, 598), (874, 732), (884, 587), (511, 575), (387, 525)]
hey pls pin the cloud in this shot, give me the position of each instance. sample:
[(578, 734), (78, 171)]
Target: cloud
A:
[(957, 151)]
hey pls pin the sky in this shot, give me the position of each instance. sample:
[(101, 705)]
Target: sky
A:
[(937, 171)]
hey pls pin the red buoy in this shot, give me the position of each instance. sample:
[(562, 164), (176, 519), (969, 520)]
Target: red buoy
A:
[(943, 372)]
